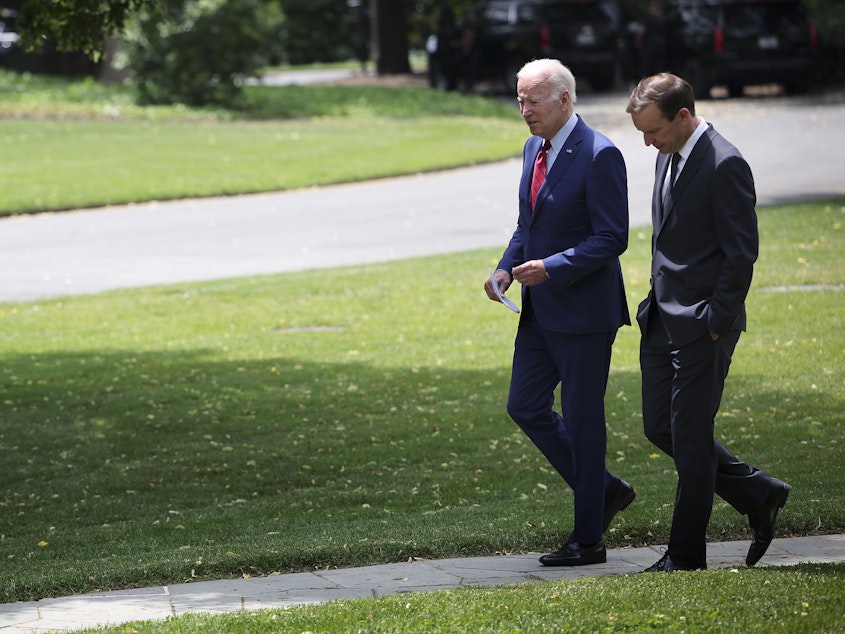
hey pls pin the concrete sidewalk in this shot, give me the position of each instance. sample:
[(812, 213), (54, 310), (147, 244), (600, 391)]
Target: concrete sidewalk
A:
[(279, 591)]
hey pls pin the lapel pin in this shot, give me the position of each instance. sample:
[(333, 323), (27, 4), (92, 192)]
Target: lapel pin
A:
[(569, 150)]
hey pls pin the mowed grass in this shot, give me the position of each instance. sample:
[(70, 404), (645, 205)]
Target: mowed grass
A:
[(82, 144), (805, 598), (356, 416)]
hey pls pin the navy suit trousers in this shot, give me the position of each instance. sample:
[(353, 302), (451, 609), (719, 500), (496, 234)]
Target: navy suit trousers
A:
[(575, 440)]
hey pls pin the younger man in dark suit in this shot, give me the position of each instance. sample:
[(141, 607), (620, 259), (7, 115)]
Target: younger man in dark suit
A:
[(704, 247)]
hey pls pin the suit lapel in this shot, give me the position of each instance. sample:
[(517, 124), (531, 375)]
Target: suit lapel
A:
[(690, 169), (693, 163), (562, 162)]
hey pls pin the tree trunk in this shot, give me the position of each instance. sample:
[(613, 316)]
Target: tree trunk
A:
[(389, 37)]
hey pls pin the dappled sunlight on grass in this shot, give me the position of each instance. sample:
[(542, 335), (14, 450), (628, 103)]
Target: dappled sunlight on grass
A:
[(293, 421)]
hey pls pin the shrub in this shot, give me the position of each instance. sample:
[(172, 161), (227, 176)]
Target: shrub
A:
[(200, 51), (319, 31)]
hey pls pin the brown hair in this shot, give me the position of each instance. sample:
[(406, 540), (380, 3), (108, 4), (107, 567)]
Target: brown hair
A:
[(668, 92)]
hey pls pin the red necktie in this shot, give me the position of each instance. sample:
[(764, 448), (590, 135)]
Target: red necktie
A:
[(539, 172)]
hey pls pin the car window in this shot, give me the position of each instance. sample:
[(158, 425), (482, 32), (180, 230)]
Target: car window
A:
[(502, 13), (526, 14), (497, 13), (699, 18), (576, 12), (773, 16), (744, 21)]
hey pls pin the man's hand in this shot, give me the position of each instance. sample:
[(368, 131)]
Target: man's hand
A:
[(503, 278), (531, 273)]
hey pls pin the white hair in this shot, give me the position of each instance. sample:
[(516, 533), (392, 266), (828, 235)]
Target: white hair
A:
[(551, 72)]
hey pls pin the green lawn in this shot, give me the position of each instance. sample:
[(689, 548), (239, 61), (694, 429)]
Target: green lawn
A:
[(80, 144), (342, 417)]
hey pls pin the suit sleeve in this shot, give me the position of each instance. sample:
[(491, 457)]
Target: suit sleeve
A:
[(736, 230), (607, 206), (514, 254)]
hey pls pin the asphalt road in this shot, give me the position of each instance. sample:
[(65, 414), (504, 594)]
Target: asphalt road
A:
[(796, 148)]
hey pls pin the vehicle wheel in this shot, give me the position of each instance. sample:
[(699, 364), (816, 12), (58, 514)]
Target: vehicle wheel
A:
[(796, 87), (695, 74), (735, 90)]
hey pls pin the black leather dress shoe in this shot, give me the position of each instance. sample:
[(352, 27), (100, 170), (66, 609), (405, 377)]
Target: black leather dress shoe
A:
[(572, 554), (762, 521), (620, 501), (665, 564)]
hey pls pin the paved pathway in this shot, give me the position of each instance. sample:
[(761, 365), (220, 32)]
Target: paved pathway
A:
[(233, 595)]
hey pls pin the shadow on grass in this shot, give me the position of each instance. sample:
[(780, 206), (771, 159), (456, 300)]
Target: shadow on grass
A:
[(155, 467)]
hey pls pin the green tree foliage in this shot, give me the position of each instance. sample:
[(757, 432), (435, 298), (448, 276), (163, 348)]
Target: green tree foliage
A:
[(317, 31), (75, 25), (200, 52)]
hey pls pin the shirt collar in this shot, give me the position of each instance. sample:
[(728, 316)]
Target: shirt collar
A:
[(559, 139), (692, 140)]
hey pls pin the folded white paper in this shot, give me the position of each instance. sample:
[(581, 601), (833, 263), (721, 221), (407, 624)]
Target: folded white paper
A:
[(507, 302)]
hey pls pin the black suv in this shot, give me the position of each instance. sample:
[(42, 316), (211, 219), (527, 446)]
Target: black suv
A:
[(505, 34), (735, 43)]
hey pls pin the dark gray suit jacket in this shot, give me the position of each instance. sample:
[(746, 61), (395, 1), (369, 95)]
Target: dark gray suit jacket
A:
[(705, 244)]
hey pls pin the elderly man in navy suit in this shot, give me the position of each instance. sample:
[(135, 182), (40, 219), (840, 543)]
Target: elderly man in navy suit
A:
[(572, 227), (704, 246)]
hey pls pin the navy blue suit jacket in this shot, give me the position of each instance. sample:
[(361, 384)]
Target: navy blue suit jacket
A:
[(705, 245), (579, 228)]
